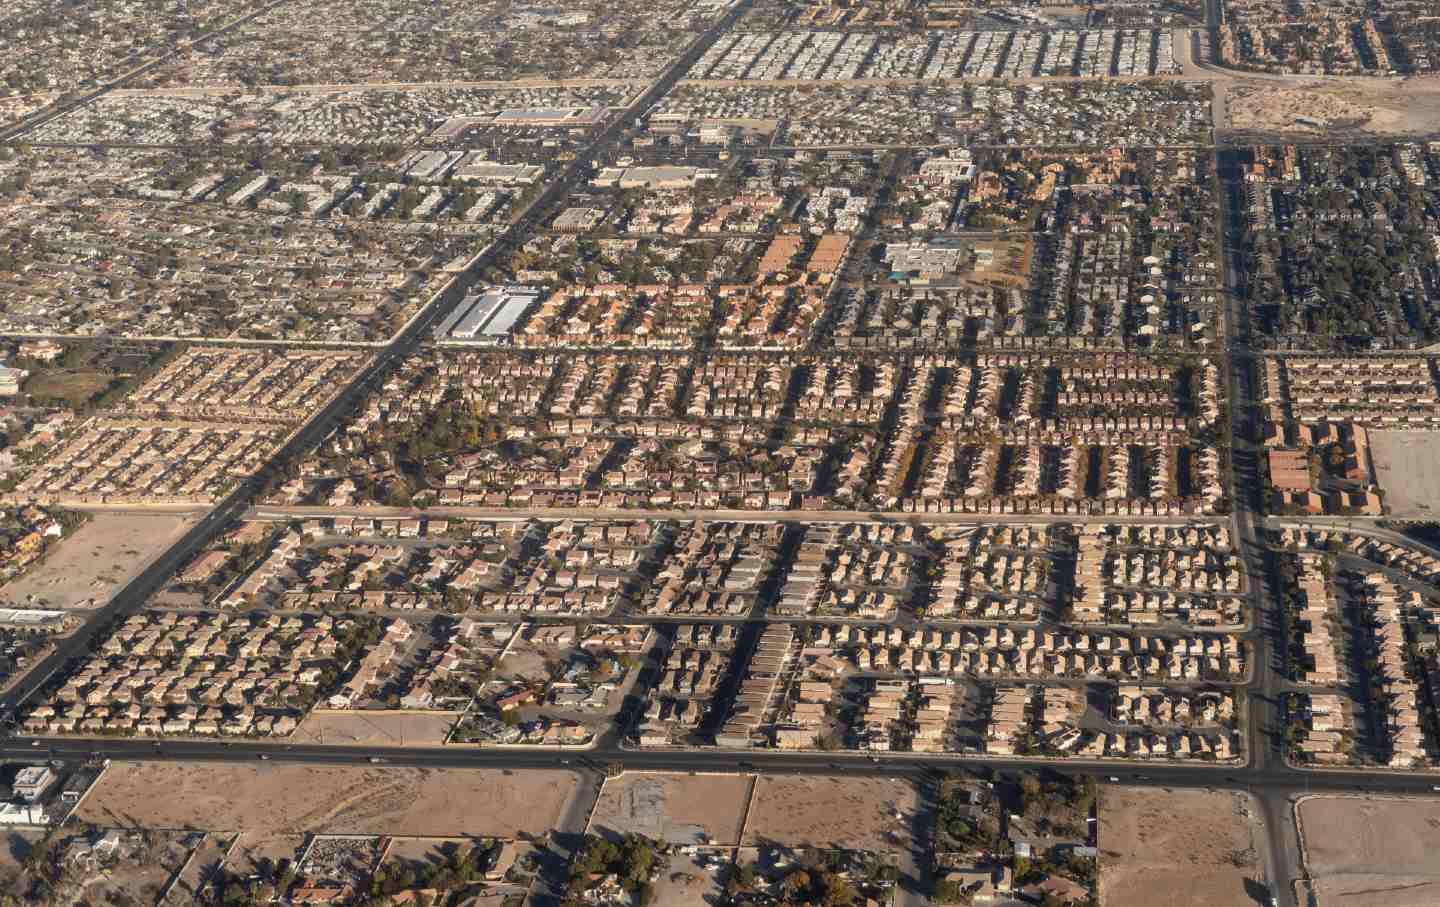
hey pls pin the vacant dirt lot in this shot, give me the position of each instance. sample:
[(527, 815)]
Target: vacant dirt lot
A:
[(374, 728), (425, 851), (1372, 852), (692, 880), (202, 867), (84, 570), (655, 804), (1384, 106), (1177, 848), (829, 812), (330, 799), (1405, 469), (259, 854), (141, 877)]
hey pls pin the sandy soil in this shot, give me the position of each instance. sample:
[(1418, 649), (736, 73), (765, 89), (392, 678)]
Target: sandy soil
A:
[(526, 662), (687, 883), (1373, 852), (432, 851), (374, 728), (202, 867), (829, 812), (84, 570), (1386, 106), (330, 799), (1177, 848), (1405, 469), (142, 878), (716, 803), (257, 853)]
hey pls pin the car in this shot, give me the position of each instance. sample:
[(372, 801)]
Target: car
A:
[(377, 759), (264, 756), (1114, 779), (34, 742)]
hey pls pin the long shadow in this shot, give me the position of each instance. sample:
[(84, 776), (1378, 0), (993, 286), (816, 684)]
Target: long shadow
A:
[(1258, 892)]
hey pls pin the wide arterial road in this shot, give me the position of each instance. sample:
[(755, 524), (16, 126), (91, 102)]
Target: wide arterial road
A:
[(1279, 778)]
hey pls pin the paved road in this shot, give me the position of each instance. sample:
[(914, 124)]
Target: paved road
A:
[(1266, 774), (1191, 775), (270, 512)]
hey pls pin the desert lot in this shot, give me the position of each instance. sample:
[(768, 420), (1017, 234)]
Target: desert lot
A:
[(84, 570), (692, 880), (830, 812), (657, 804), (1177, 848), (1405, 469), (1365, 105), (1372, 852), (352, 727), (259, 854), (265, 799)]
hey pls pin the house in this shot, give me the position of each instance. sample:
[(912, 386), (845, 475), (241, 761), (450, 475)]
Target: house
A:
[(32, 782), (10, 380), (977, 884), (1057, 888), (316, 894), (1290, 470), (514, 700)]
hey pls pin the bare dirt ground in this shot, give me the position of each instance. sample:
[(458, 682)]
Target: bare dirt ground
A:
[(691, 880), (84, 570), (1177, 848), (428, 851), (715, 803), (526, 661), (1405, 469), (1372, 852), (201, 868), (258, 853), (140, 879), (829, 812), (1384, 106), (374, 728), (331, 799)]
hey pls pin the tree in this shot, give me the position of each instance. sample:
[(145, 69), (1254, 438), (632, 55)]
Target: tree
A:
[(741, 879), (838, 892), (795, 884), (1029, 789)]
